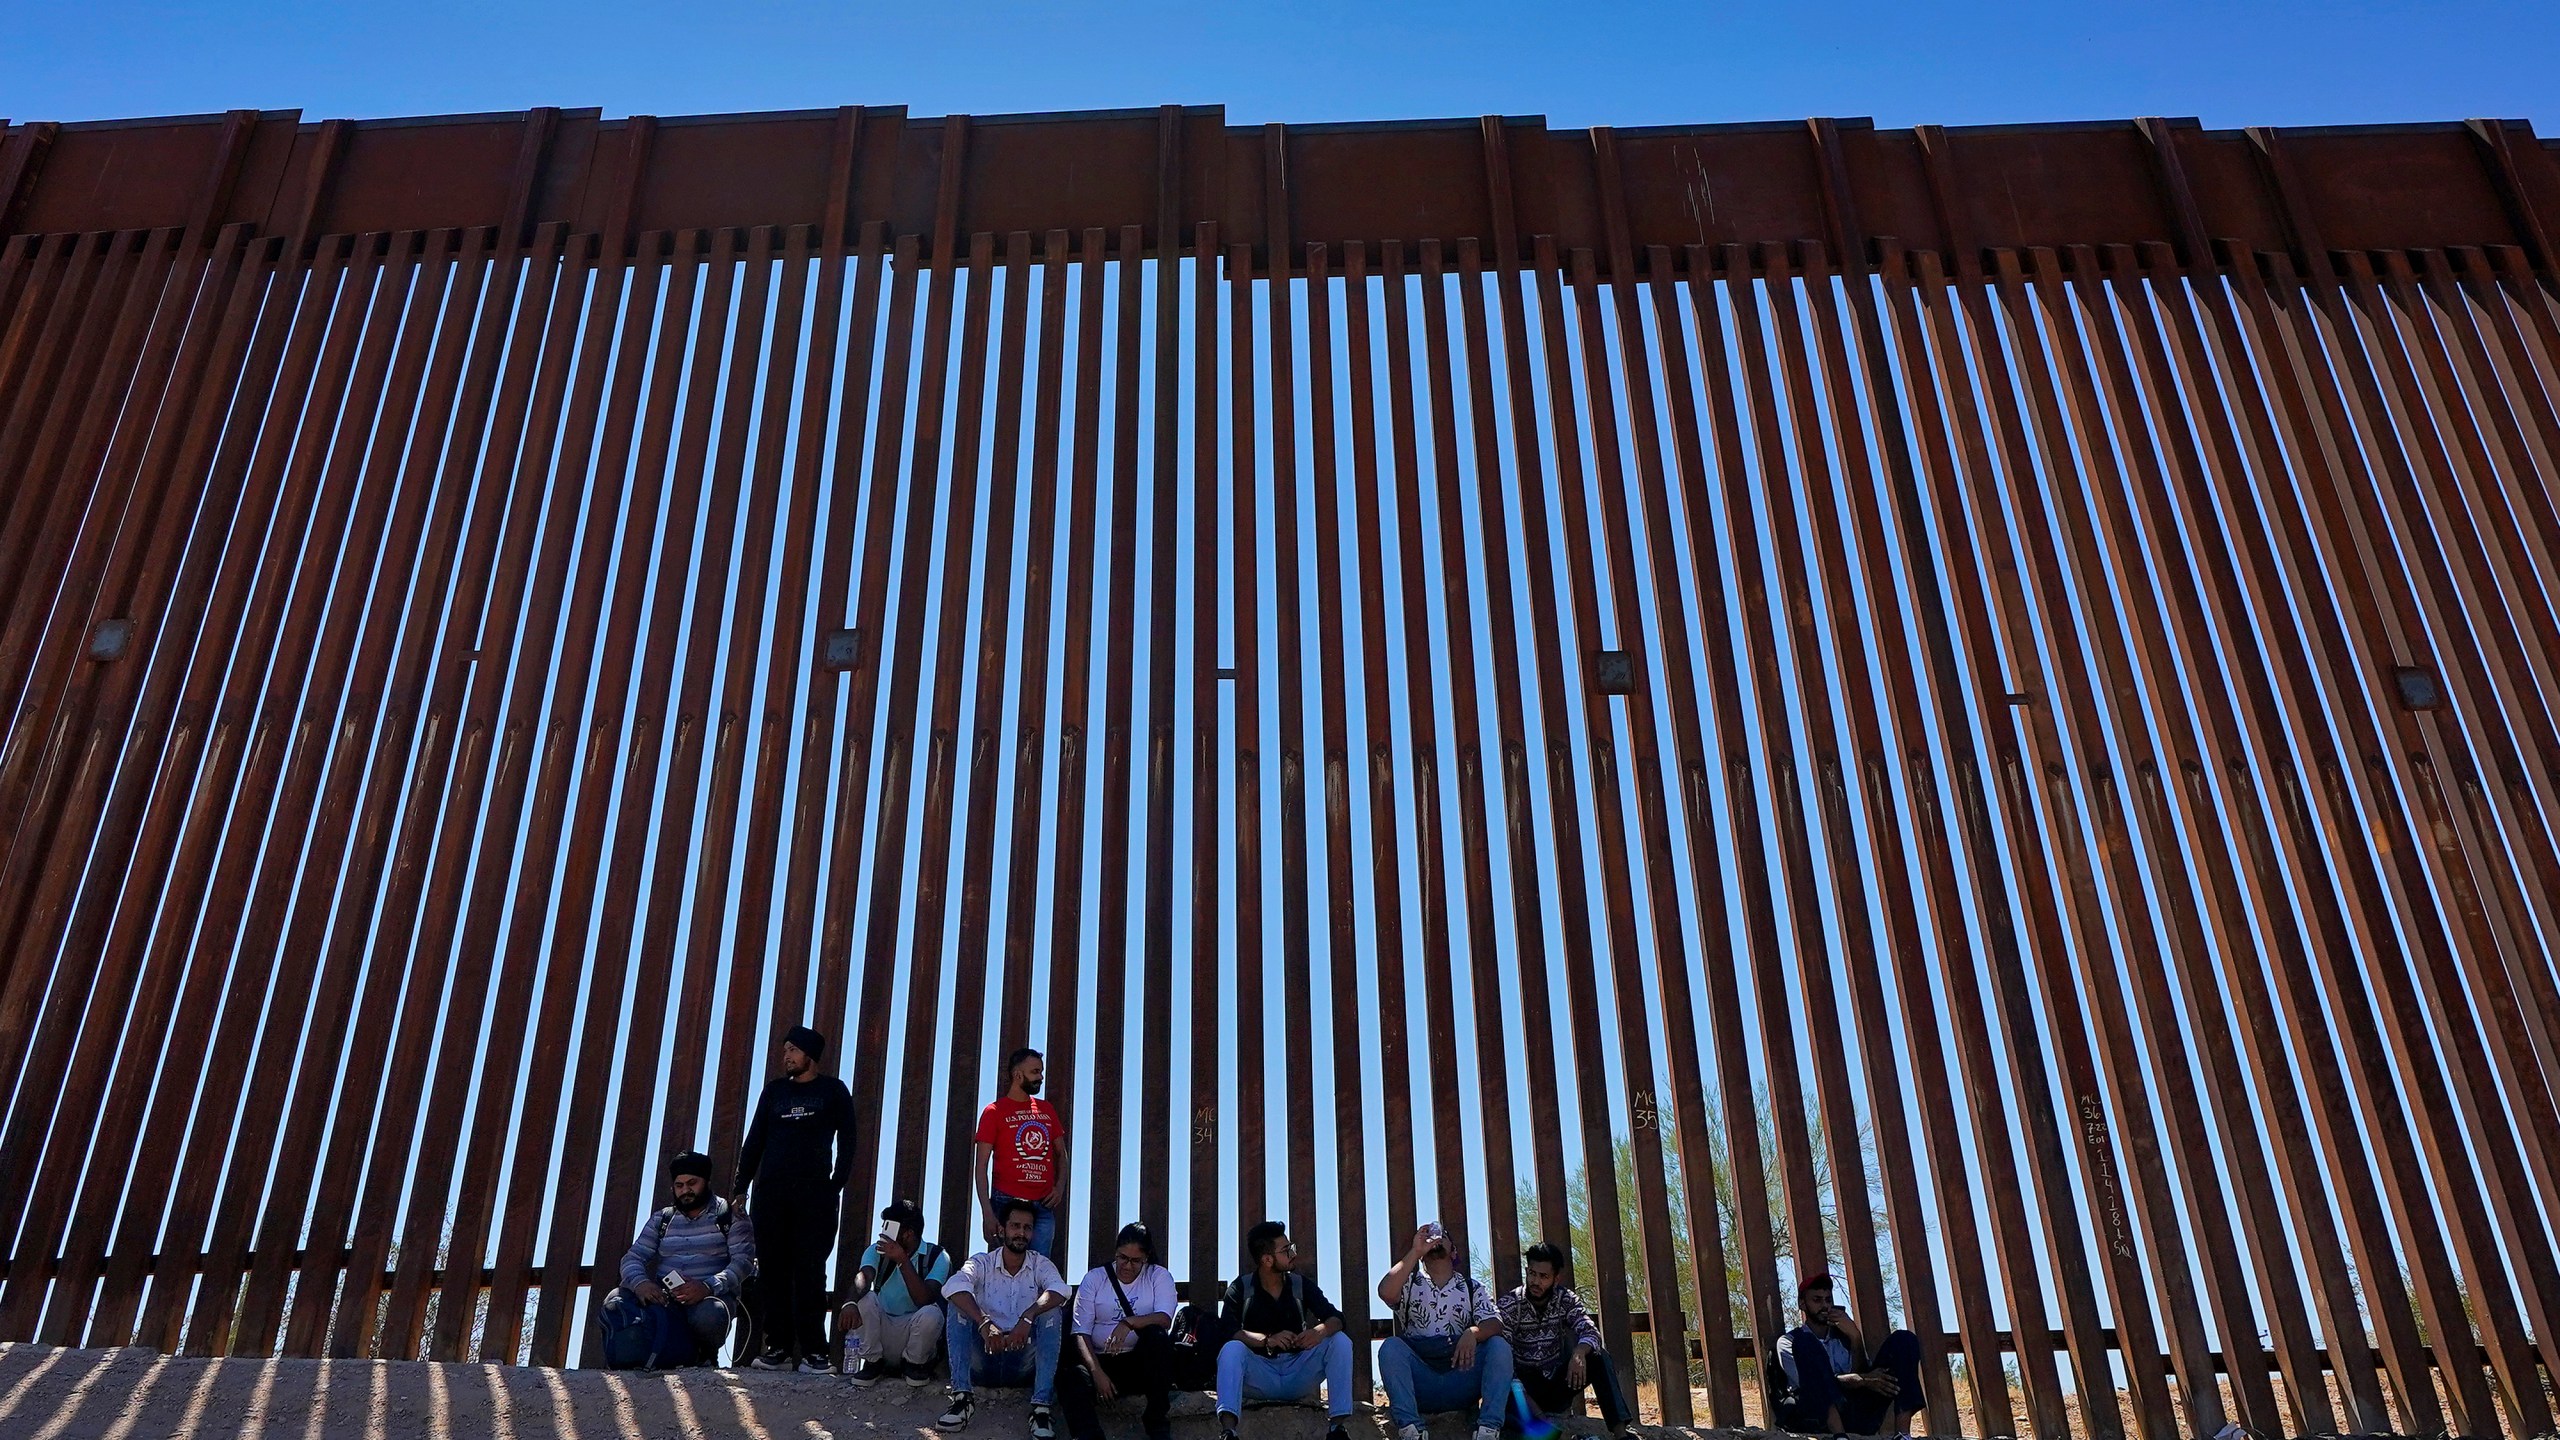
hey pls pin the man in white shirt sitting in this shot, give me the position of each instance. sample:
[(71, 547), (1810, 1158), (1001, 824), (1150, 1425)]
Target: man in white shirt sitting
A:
[(1123, 1338), (1448, 1351), (1005, 1320)]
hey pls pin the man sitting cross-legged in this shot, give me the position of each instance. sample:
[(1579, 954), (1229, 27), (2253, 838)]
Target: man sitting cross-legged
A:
[(1005, 1321), (1448, 1352)]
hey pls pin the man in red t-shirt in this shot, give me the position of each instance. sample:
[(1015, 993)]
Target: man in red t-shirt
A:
[(1022, 1151)]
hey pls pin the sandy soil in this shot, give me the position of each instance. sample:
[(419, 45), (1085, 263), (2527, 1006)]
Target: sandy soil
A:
[(50, 1394)]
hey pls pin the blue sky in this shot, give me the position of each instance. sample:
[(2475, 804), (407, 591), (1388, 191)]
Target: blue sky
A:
[(2295, 63)]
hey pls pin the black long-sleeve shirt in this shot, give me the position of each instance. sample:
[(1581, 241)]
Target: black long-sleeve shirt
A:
[(802, 1132)]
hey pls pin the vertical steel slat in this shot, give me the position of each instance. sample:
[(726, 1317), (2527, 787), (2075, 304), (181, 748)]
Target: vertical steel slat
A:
[(1752, 409), (1162, 747), (2358, 393), (77, 744), (2232, 915), (226, 697), (122, 742), (1244, 607), (707, 468), (1900, 823), (897, 740), (250, 901), (1075, 695), (603, 1167), (964, 1076), (429, 672), (830, 923), (1520, 811), (2072, 574), (1769, 361), (520, 436), (1869, 767), (2284, 415), (1678, 780), (1756, 1234), (1422, 687), (1986, 1092), (2046, 783), (1604, 539), (960, 531), (44, 541), (1039, 581), (1111, 946), (1994, 820), (630, 747), (537, 754), (1297, 980), (1500, 1231), (2236, 558), (729, 601), (807, 924), (613, 511), (838, 985), (773, 520), (1201, 1089), (1539, 544), (75, 327), (350, 893), (1387, 885), (1351, 1096), (141, 356)]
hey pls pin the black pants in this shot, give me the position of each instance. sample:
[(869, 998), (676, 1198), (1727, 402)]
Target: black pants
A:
[(1554, 1396), (795, 1231), (1146, 1370), (1861, 1412)]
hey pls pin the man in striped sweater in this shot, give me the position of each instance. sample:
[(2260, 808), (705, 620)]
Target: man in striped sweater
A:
[(696, 1256)]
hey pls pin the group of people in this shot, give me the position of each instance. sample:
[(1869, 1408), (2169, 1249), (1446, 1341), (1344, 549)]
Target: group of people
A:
[(1006, 1316)]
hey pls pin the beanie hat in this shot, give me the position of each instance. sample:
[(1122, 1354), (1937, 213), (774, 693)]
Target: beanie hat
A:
[(690, 1162), (811, 1043)]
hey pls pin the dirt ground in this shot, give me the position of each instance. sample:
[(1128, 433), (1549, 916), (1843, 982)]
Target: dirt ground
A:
[(51, 1394)]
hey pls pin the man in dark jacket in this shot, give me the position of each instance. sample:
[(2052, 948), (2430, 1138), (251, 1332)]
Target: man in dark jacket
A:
[(800, 1146), (696, 1257), (1835, 1385)]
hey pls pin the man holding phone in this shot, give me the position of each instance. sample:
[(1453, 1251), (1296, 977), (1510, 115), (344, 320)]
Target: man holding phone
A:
[(1834, 1384), (893, 1324)]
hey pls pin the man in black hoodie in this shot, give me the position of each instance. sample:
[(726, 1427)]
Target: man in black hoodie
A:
[(800, 1144)]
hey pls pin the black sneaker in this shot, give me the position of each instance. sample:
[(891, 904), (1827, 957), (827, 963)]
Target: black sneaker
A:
[(956, 1416), (1042, 1427)]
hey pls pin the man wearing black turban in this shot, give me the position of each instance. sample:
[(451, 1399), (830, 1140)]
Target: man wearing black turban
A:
[(800, 1146)]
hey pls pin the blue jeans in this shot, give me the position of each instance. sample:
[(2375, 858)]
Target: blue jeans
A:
[(1044, 1221), (1243, 1375), (972, 1363), (1417, 1386)]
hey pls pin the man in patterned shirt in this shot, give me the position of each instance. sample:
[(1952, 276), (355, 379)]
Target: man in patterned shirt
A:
[(1555, 1349), (1448, 1349)]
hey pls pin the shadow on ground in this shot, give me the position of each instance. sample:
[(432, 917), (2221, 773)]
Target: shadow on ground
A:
[(52, 1394)]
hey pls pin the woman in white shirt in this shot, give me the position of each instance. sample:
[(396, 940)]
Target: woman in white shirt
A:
[(1123, 1338)]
